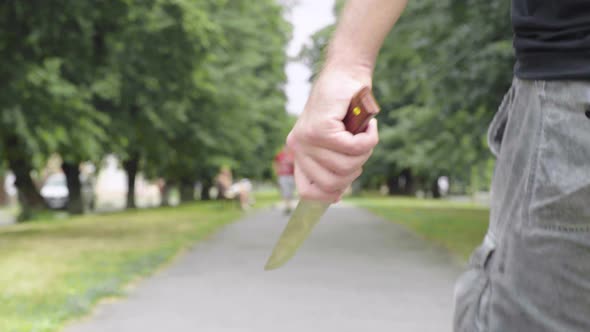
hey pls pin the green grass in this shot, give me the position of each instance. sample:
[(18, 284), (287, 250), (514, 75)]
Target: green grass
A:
[(266, 199), (55, 270), (459, 227), (10, 210)]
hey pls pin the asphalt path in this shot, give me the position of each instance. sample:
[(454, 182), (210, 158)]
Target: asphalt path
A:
[(356, 272)]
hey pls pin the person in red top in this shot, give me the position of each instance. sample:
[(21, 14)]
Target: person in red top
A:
[(284, 166)]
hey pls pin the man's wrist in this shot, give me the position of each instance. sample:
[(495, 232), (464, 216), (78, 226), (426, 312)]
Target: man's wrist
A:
[(354, 67)]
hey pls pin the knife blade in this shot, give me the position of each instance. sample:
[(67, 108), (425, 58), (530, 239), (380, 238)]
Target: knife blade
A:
[(363, 107)]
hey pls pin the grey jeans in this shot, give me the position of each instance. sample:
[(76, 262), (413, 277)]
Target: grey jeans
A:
[(287, 184), (532, 271)]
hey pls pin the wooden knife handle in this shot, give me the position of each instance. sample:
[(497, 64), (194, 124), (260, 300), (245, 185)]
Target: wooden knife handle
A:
[(363, 107)]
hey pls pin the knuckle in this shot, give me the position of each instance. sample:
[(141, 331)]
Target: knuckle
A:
[(308, 134), (356, 149), (327, 185), (330, 184), (342, 168), (348, 169), (340, 185), (353, 167)]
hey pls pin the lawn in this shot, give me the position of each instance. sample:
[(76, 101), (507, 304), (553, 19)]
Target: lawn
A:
[(459, 227), (54, 270)]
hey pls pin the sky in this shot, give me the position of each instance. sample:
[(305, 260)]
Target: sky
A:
[(307, 17)]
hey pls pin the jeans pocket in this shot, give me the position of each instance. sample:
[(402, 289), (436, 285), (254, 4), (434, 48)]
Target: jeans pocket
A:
[(498, 124), (472, 291), (561, 188)]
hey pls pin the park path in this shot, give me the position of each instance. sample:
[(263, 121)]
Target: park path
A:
[(355, 273)]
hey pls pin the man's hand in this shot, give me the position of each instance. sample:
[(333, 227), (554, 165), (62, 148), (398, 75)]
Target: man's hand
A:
[(327, 157)]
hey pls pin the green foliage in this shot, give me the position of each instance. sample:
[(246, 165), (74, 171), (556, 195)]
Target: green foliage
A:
[(236, 113), (258, 123), (439, 78), (181, 86), (49, 65), (156, 60)]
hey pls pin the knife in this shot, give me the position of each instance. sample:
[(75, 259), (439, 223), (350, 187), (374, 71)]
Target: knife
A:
[(363, 107)]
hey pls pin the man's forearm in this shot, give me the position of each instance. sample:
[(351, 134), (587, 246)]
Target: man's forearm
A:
[(327, 157), (362, 28)]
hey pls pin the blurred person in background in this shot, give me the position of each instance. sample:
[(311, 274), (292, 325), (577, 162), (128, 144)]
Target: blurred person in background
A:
[(532, 271), (227, 189), (284, 166)]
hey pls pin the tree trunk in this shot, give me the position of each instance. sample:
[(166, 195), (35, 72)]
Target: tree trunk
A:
[(72, 172), (28, 194), (393, 185), (3, 195), (165, 189), (187, 191), (409, 185), (131, 167), (435, 189), (205, 188)]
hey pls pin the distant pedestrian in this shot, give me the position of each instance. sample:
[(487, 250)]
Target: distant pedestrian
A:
[(227, 189), (284, 166)]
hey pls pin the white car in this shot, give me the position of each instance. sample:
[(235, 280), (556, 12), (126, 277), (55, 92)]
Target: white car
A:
[(55, 191)]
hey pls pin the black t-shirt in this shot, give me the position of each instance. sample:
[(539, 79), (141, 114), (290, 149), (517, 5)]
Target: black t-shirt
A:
[(552, 39)]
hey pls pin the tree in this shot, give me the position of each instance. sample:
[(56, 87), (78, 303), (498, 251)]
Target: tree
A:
[(254, 56), (235, 114), (51, 52), (154, 60)]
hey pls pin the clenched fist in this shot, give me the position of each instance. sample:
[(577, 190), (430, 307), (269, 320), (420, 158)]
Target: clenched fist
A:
[(327, 157)]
